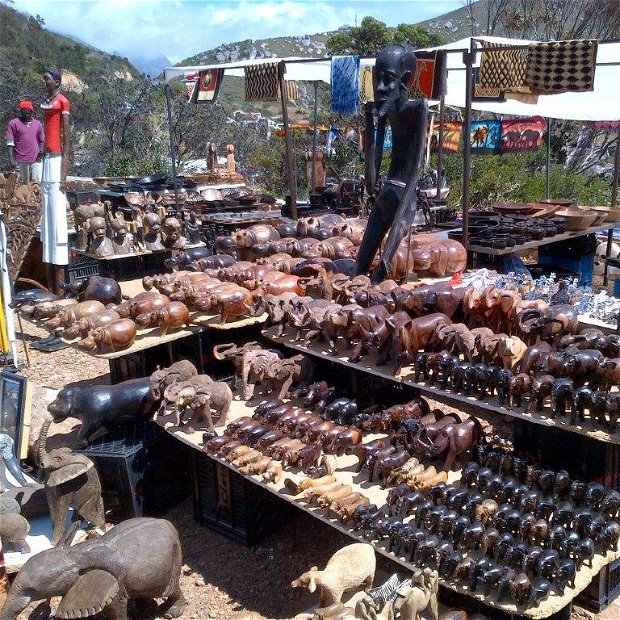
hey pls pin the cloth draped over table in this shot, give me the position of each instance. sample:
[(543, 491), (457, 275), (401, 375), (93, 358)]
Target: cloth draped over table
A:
[(345, 84), (452, 131), (427, 83), (262, 84), (484, 136), (539, 68), (522, 134), (208, 85)]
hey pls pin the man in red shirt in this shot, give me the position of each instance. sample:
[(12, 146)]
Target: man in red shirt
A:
[(24, 139), (54, 236)]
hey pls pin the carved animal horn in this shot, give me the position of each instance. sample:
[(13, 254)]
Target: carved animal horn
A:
[(42, 452), (225, 351)]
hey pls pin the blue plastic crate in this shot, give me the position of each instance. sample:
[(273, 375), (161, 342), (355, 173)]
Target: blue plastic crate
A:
[(583, 266)]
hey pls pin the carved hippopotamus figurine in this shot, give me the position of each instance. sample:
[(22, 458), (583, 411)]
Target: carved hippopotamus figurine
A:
[(217, 261), (113, 337), (84, 325), (105, 290), (230, 300), (258, 233), (141, 303), (318, 227), (351, 229), (74, 313), (287, 228), (182, 258), (336, 247), (172, 316), (307, 247)]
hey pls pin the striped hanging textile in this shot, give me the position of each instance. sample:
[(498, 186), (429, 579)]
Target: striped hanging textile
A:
[(345, 84), (561, 67), (367, 91), (291, 90), (503, 69), (261, 82)]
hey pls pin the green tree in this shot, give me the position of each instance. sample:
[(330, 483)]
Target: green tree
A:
[(372, 35)]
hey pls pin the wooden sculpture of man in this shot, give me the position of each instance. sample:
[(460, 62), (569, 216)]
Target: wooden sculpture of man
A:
[(395, 206)]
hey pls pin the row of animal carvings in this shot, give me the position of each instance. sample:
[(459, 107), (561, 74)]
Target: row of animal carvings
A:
[(506, 527), (352, 568), (103, 234), (332, 237)]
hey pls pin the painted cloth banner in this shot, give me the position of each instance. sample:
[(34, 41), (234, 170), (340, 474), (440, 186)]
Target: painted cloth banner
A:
[(190, 80), (208, 86), (261, 82), (427, 81), (345, 84), (522, 134), (452, 131), (561, 67), (367, 91), (602, 124), (484, 136)]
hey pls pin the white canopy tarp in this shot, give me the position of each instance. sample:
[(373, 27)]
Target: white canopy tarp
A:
[(602, 104)]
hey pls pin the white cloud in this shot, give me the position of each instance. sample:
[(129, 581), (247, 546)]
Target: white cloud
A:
[(182, 28)]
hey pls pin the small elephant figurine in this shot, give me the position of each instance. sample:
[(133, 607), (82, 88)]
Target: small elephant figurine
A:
[(71, 481), (101, 574), (201, 399), (13, 529)]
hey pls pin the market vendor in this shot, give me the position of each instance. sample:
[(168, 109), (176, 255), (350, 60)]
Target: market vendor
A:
[(54, 235), (24, 140)]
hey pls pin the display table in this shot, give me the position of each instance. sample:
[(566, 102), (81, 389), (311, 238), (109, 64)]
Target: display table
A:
[(346, 474)]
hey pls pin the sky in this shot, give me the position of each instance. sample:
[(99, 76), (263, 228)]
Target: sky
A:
[(179, 29)]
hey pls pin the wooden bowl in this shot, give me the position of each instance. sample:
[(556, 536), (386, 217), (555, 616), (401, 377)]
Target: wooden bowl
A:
[(561, 202), (577, 219), (511, 208), (611, 214)]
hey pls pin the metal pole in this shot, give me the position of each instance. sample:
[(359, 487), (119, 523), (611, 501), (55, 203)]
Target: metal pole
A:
[(614, 204), (173, 151), (292, 179), (548, 158), (468, 60), (442, 106), (315, 135)]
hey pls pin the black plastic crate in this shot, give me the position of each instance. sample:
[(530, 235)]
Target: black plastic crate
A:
[(232, 505), (576, 247), (143, 471), (81, 267), (582, 457), (603, 590)]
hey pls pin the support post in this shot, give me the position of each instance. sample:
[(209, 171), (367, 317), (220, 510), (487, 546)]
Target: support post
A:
[(468, 60), (315, 135), (173, 150), (290, 166), (442, 106), (613, 204), (548, 182)]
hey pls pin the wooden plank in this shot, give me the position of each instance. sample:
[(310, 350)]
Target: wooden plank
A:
[(490, 404), (346, 474), (571, 234), (132, 254)]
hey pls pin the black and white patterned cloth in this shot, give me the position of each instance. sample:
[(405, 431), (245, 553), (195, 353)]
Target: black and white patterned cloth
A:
[(503, 68), (561, 67), (261, 82)]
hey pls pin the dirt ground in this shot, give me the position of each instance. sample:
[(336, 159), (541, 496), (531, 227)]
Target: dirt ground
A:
[(220, 576)]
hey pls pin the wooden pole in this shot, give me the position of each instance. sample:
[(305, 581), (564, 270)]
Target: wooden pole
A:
[(468, 60), (173, 153), (315, 135), (613, 205), (548, 182), (290, 164), (442, 113)]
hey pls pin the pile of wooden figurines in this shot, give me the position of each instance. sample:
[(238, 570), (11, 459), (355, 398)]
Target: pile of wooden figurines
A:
[(103, 233)]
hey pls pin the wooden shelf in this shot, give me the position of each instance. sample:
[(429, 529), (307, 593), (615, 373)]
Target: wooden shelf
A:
[(570, 234), (346, 474), (490, 404)]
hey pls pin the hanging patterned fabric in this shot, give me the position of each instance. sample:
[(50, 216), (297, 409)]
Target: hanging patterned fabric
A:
[(452, 131), (504, 69), (484, 136), (561, 67), (367, 90), (345, 84), (602, 124), (190, 80), (208, 86), (261, 82), (522, 134), (291, 90), (428, 79)]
